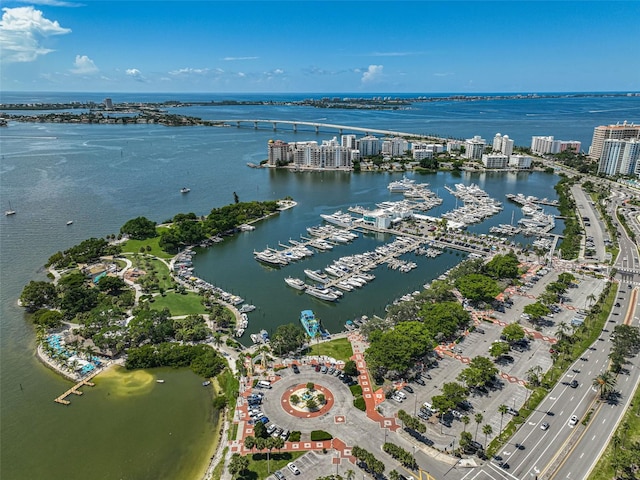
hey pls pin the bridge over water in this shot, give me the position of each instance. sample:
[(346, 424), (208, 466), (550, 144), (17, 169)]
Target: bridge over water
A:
[(324, 126)]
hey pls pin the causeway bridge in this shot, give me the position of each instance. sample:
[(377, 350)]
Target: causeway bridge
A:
[(256, 124)]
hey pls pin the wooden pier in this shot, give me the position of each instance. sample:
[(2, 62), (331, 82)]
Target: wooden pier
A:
[(75, 390)]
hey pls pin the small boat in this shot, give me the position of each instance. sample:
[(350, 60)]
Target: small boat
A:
[(207, 383), (9, 212), (159, 381), (185, 190), (70, 222)]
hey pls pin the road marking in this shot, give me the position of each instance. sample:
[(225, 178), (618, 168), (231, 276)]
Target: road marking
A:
[(582, 455), (593, 438), (553, 398), (604, 420)]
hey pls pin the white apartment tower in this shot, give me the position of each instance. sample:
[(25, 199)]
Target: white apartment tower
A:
[(348, 141), (543, 145), (369, 146), (507, 145), (619, 157), (474, 148), (626, 131), (497, 143)]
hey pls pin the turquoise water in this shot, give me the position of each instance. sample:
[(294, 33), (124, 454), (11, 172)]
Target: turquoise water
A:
[(100, 176)]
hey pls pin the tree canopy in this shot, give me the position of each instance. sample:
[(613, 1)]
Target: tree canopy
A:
[(395, 351), (288, 338), (480, 371), (478, 287), (139, 228), (446, 318), (503, 266), (36, 295)]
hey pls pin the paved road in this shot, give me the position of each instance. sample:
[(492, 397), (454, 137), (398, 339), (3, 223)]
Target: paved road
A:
[(563, 451)]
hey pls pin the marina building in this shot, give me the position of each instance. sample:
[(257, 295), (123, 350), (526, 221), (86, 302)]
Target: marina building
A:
[(495, 160), (542, 145), (474, 147), (626, 131), (620, 157)]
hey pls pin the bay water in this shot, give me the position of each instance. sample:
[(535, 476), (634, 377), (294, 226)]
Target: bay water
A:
[(99, 176)]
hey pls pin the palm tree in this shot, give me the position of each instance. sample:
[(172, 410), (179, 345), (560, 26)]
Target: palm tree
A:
[(465, 421), (562, 331), (478, 418), (502, 409), (351, 475), (605, 382), (590, 299), (533, 375), (487, 430)]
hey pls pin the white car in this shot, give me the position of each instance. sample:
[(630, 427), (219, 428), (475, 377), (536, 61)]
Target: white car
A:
[(295, 470), (544, 426), (573, 420)]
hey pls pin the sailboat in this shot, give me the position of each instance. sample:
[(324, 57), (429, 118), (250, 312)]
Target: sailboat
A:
[(11, 211)]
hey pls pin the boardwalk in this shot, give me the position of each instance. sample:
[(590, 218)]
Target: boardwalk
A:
[(75, 390)]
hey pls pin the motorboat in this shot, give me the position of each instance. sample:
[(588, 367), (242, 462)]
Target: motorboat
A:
[(400, 186), (323, 294), (185, 190), (316, 275), (295, 283), (338, 218)]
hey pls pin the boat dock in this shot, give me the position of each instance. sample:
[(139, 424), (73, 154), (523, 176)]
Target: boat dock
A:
[(75, 390)]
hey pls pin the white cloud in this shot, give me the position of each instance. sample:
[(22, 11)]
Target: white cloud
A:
[(84, 65), (373, 73), (189, 71), (231, 59), (21, 32), (393, 54), (136, 74)]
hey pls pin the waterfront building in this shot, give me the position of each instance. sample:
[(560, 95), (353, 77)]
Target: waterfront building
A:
[(278, 153), (619, 157), (521, 162), (454, 145), (377, 219), (422, 153), (474, 147), (497, 142), (369, 146), (626, 131), (506, 146), (395, 147), (495, 160), (543, 145), (348, 141)]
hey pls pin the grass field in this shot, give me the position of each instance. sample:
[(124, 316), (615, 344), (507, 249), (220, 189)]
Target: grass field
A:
[(179, 304), (340, 349), (133, 246), (258, 464)]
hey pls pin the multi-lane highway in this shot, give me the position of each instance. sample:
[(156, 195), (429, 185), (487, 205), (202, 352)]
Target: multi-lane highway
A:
[(564, 451)]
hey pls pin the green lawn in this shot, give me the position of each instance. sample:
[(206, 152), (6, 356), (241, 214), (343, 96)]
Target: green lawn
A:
[(179, 304), (340, 349), (258, 464), (629, 431), (133, 246)]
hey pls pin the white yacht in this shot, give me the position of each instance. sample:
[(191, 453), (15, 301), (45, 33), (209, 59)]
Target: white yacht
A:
[(316, 275), (295, 283), (400, 186), (323, 294), (338, 218)]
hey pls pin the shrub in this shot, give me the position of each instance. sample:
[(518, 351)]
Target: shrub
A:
[(320, 435), (295, 436), (360, 404), (356, 390)]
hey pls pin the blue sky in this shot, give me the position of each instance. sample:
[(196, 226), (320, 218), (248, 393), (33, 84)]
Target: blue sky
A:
[(311, 47)]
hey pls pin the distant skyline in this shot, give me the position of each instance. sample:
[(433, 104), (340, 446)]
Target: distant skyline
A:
[(319, 46)]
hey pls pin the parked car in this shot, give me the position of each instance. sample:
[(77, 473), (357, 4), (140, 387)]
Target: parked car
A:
[(279, 475), (323, 369), (295, 368), (419, 381), (292, 466), (408, 388)]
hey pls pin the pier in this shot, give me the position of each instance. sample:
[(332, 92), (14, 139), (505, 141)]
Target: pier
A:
[(75, 390)]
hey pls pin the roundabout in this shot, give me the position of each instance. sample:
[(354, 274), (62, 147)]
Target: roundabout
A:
[(297, 399)]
